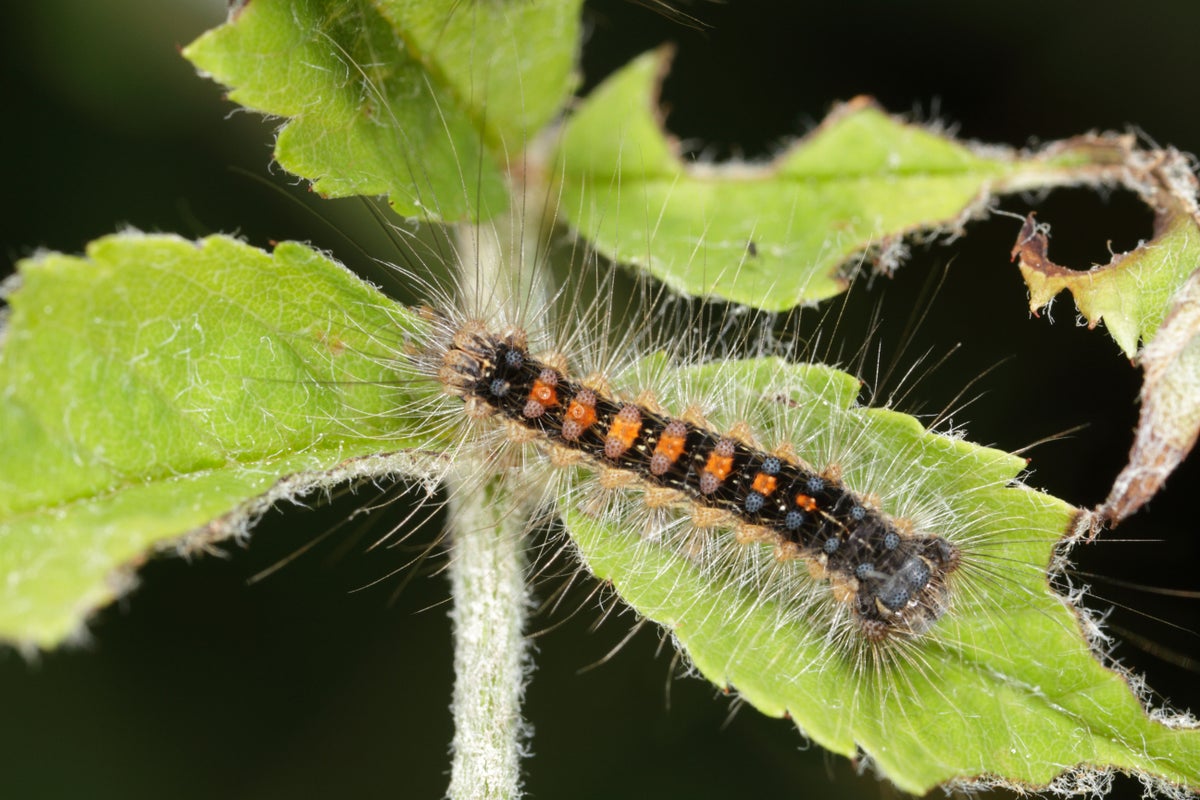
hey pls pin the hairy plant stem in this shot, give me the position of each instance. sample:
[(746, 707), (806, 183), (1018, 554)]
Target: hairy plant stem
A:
[(487, 576), (498, 270)]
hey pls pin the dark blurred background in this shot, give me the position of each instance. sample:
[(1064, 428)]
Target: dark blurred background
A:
[(203, 684)]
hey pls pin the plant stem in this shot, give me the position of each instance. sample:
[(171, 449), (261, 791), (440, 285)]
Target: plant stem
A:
[(498, 270), (487, 575)]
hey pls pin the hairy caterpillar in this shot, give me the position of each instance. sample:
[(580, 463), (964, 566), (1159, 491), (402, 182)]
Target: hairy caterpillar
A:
[(893, 583)]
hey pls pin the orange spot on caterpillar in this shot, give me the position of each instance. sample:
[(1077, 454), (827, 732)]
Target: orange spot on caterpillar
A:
[(764, 484), (623, 431), (806, 503), (581, 415), (717, 467), (543, 395), (669, 447)]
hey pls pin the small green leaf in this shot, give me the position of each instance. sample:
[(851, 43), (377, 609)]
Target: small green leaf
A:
[(1004, 686), (158, 387), (1148, 298), (426, 104), (1131, 294), (779, 234), (511, 64)]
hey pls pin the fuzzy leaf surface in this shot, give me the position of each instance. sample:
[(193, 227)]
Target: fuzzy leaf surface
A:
[(1169, 422), (787, 232), (158, 387), (1004, 686), (426, 104)]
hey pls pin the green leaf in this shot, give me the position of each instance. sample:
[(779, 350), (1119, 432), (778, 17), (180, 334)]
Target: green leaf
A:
[(1003, 687), (510, 64), (788, 232), (1131, 294), (159, 387), (1169, 421), (1148, 298), (427, 104)]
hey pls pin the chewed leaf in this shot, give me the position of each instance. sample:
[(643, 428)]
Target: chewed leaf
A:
[(1131, 294), (1149, 296), (779, 234), (159, 387), (389, 98), (1003, 688)]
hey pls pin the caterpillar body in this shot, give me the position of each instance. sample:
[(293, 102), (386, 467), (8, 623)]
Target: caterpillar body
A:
[(893, 580)]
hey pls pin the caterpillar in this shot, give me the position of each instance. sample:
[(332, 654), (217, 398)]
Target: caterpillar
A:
[(894, 582)]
